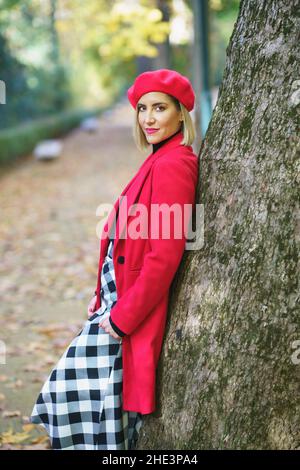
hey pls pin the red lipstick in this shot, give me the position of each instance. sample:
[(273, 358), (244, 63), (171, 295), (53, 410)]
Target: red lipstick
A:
[(151, 130)]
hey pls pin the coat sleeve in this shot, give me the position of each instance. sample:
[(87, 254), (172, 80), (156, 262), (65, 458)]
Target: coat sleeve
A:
[(115, 328), (172, 183)]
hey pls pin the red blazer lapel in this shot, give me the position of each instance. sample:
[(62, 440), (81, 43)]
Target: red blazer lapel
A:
[(132, 191)]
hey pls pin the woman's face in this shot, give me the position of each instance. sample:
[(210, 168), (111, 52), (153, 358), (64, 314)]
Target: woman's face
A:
[(156, 110)]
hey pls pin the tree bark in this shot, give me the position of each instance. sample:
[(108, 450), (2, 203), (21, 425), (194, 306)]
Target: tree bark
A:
[(228, 375)]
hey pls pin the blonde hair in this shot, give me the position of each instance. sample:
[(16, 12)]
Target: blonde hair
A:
[(187, 127)]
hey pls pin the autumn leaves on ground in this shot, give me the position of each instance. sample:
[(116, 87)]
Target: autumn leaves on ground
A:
[(49, 257)]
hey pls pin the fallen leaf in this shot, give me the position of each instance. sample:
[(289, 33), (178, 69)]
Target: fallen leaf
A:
[(35, 346), (11, 414), (37, 380), (10, 437), (28, 427), (26, 419), (49, 360), (40, 440), (16, 384), (51, 330), (19, 383), (8, 446), (35, 447), (32, 368)]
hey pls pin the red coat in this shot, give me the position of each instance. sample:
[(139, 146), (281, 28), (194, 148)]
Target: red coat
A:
[(145, 268)]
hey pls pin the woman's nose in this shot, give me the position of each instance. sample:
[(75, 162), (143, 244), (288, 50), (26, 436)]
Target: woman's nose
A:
[(149, 118)]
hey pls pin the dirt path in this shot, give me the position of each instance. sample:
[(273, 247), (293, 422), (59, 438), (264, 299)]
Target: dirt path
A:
[(49, 256)]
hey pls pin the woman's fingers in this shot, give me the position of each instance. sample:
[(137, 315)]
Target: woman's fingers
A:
[(108, 329), (91, 306)]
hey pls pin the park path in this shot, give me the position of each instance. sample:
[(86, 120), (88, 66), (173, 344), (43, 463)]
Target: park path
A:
[(49, 256)]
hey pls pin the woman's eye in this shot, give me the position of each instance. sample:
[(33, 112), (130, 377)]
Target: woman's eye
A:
[(161, 108)]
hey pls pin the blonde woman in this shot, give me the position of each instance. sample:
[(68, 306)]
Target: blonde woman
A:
[(105, 382)]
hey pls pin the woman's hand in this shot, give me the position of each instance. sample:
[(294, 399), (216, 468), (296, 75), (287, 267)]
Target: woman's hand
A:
[(92, 306), (105, 324)]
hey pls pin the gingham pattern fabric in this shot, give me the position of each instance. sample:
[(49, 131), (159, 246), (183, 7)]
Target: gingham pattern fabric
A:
[(80, 404)]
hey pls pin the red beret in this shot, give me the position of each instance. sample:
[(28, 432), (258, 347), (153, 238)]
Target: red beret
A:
[(164, 80)]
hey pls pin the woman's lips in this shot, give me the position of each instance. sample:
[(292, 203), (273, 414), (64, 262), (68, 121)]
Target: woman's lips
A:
[(151, 131)]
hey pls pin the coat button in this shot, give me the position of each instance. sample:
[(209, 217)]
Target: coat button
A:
[(121, 259)]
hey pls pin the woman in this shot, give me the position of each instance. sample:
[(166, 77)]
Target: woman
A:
[(104, 383)]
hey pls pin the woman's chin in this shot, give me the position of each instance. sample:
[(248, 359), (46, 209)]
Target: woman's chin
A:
[(152, 140)]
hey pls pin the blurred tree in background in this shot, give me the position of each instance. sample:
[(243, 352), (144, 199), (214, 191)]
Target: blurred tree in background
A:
[(109, 35), (223, 16), (36, 81)]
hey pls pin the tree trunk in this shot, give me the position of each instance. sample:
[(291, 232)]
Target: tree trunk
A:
[(162, 60), (228, 375)]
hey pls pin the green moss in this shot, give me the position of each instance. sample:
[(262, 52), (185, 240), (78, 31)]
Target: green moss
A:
[(246, 124)]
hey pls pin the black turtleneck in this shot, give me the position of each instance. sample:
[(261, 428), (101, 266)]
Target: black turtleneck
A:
[(162, 142)]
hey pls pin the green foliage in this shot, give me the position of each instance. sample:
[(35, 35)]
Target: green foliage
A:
[(110, 35), (36, 81), (223, 14), (13, 73), (20, 140), (224, 7)]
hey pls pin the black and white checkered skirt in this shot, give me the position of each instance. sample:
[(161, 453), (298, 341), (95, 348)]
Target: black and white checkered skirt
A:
[(80, 404)]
